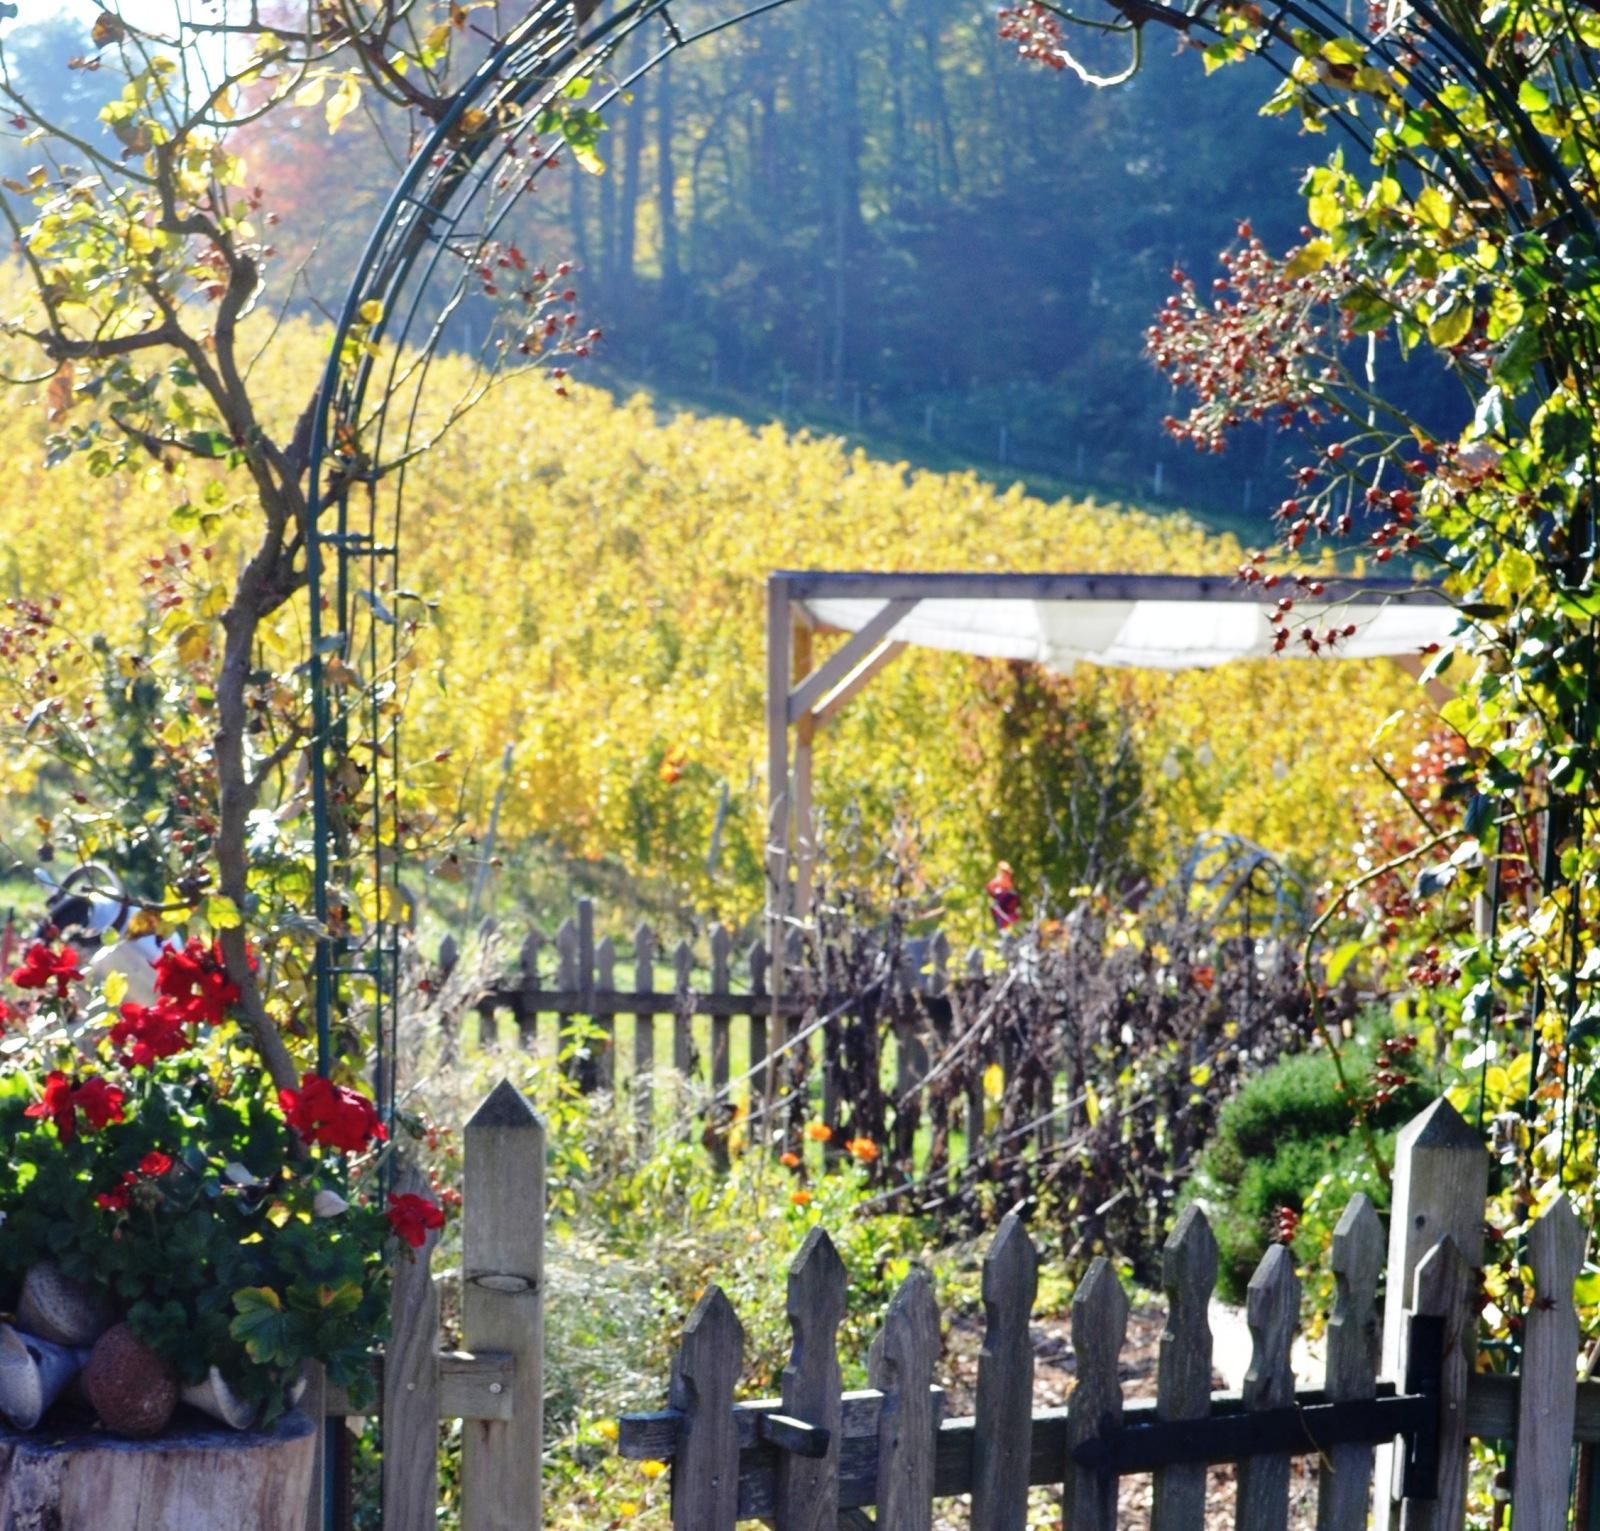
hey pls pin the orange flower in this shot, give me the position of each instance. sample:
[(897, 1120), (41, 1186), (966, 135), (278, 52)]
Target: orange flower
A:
[(789, 1161), (863, 1148), (672, 764), (1204, 977), (800, 1198), (818, 1132)]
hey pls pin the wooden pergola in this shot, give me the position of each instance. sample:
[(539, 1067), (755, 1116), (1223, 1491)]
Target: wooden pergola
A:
[(1168, 621)]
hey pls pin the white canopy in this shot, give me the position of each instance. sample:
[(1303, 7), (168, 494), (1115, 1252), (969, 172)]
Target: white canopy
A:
[(1158, 621), (1175, 634)]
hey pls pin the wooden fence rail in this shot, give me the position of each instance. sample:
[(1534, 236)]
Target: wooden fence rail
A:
[(821, 1458), (957, 1070)]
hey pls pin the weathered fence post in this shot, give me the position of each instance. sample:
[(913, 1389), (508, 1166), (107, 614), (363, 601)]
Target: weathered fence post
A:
[(808, 1488), (605, 988), (1446, 1288), (1183, 1379), (900, 1365), (682, 1018), (1272, 1305), (1094, 1406), (644, 1037), (528, 992), (705, 1468), (1547, 1401), (758, 1067), (1003, 1442), (719, 1118), (1344, 1486), (502, 1307), (411, 1388), (1441, 1181)]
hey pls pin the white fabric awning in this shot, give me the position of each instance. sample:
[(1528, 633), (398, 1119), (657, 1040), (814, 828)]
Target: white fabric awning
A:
[(1161, 634)]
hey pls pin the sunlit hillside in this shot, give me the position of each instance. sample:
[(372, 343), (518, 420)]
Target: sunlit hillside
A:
[(599, 575)]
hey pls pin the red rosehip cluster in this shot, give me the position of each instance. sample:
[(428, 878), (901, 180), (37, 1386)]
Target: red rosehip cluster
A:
[(412, 1217), (1429, 971), (63, 1099), (1255, 351), (328, 1114), (1385, 1075), (43, 965), (1283, 1225), (1036, 32)]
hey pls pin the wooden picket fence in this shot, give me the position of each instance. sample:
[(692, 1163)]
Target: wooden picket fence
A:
[(495, 1386), (958, 1067), (1400, 1403)]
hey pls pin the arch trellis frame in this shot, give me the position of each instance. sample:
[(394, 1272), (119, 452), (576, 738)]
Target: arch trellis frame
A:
[(444, 212)]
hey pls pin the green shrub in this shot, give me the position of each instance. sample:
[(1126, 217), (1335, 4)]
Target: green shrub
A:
[(1289, 1138)]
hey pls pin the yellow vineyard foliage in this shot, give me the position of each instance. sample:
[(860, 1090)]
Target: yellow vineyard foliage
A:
[(600, 570)]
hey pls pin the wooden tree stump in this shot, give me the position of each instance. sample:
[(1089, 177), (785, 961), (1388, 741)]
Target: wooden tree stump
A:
[(200, 1478)]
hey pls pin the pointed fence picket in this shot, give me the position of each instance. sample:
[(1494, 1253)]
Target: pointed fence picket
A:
[(738, 1053), (495, 1386), (819, 1458)]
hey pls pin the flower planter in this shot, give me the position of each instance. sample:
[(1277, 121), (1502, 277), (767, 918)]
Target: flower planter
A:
[(196, 1476)]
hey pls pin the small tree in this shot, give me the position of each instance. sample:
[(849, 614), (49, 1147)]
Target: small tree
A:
[(148, 261), (1463, 231)]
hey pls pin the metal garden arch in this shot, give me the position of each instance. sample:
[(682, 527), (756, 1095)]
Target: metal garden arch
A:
[(458, 190)]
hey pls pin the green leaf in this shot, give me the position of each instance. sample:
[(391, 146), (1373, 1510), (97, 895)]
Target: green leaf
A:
[(1517, 571), (272, 1336), (1450, 325), (221, 913), (1433, 208)]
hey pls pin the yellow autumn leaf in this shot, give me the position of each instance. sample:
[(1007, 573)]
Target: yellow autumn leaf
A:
[(342, 102), (194, 642)]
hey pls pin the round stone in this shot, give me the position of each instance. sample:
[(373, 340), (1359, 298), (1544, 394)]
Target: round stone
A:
[(58, 1309), (128, 1385)]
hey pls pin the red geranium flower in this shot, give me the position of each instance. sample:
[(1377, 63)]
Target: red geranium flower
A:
[(196, 983), (100, 1103), (116, 1199), (57, 1105), (154, 1031), (324, 1112), (412, 1216), (155, 1163), (41, 966)]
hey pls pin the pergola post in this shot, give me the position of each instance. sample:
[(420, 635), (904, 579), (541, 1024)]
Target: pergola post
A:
[(805, 732), (780, 633)]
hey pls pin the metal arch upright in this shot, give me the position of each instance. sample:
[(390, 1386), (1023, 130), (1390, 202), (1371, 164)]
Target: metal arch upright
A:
[(451, 199)]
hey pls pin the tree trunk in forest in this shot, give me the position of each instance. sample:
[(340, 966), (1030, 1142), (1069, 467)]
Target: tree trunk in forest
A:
[(207, 1478), (628, 206), (666, 190)]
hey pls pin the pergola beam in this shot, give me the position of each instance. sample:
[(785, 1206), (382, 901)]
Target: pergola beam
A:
[(839, 698), (808, 585), (849, 657)]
